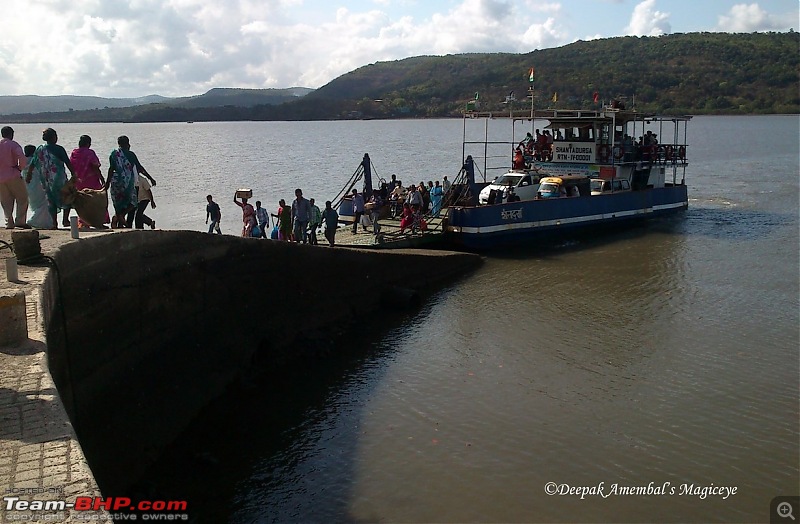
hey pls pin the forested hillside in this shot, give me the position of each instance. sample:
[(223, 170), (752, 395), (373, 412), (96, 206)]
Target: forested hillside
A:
[(694, 73)]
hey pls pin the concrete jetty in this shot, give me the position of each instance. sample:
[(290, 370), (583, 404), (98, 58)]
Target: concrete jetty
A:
[(130, 334)]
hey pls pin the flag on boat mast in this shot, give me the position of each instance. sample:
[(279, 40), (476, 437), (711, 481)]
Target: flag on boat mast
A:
[(555, 96), (476, 95), (532, 75), (596, 97)]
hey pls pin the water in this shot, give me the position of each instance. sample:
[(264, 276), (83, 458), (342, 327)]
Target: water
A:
[(659, 354)]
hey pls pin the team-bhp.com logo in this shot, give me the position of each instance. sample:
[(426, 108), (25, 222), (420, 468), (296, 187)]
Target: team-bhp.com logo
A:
[(118, 508)]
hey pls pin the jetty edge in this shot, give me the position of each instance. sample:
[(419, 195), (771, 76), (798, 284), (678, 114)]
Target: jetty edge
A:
[(140, 330)]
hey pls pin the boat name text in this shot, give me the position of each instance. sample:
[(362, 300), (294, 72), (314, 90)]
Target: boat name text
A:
[(513, 214)]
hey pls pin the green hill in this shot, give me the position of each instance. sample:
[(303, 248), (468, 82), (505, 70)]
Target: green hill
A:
[(694, 73)]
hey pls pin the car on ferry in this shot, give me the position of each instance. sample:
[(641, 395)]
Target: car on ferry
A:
[(563, 186), (600, 186), (524, 184)]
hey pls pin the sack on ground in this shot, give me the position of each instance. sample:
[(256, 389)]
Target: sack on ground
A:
[(255, 232), (275, 233), (365, 221)]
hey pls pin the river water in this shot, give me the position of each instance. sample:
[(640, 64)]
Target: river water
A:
[(666, 354)]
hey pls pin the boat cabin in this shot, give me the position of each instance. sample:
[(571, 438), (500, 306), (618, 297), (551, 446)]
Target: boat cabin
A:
[(564, 187), (523, 184)]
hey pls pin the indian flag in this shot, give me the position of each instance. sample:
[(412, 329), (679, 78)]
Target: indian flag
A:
[(532, 75)]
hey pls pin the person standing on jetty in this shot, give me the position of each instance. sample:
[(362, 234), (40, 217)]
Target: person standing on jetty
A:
[(122, 171), (262, 217), (301, 214), (331, 219), (213, 212), (248, 216), (48, 162), (358, 209), (315, 222), (13, 192), (284, 218), (87, 170)]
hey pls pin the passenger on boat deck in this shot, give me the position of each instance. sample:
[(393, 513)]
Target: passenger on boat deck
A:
[(426, 198), (394, 182), (526, 143), (407, 218), (519, 160), (358, 209), (445, 184), (375, 205), (436, 199), (396, 199), (512, 196), (414, 198)]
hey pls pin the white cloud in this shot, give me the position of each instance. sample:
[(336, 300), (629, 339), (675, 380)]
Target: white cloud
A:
[(744, 18), (647, 21)]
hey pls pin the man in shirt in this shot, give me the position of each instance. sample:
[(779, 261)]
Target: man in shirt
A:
[(331, 218), (358, 209), (213, 212), (263, 219), (301, 214), (13, 192), (316, 221)]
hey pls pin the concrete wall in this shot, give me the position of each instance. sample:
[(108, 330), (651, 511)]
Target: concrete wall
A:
[(144, 329)]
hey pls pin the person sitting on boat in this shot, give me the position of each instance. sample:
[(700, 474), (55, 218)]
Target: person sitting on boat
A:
[(512, 196), (541, 142), (396, 198)]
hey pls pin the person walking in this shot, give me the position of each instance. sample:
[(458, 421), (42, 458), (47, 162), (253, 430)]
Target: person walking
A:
[(315, 222), (13, 193), (48, 164), (87, 170), (262, 217), (213, 212), (301, 215), (145, 195), (358, 209), (248, 216), (331, 219), (123, 169)]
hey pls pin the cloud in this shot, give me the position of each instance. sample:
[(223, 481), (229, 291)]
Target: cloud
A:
[(647, 21), (744, 18)]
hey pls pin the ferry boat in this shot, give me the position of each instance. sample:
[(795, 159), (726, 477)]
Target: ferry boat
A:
[(582, 169)]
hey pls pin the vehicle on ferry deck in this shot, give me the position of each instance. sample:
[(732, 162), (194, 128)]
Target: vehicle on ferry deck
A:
[(525, 186), (600, 186)]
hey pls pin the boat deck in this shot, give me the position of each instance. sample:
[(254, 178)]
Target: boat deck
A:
[(389, 237)]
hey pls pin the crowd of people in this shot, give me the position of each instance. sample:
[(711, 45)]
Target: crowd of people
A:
[(34, 178), (296, 223)]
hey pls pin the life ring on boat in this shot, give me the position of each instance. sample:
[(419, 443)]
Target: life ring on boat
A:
[(618, 153), (603, 152), (682, 153), (668, 153)]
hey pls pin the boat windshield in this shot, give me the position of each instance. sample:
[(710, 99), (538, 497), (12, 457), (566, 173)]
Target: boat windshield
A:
[(508, 180)]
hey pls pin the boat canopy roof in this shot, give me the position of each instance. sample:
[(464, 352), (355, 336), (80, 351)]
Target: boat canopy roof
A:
[(561, 118)]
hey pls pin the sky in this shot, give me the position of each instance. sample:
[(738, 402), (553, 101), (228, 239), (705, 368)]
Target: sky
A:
[(133, 48)]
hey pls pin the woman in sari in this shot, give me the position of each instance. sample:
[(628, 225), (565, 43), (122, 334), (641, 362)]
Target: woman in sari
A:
[(87, 169), (284, 217), (436, 199), (48, 165), (121, 182), (248, 216)]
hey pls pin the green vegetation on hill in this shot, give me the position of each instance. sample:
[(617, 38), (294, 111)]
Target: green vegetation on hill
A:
[(695, 73)]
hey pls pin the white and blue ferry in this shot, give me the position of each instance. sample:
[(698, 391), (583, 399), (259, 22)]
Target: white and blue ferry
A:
[(581, 170)]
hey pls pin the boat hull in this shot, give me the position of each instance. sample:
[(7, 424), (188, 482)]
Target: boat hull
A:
[(528, 223)]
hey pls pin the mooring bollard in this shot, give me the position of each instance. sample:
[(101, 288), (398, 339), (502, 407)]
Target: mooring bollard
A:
[(73, 226)]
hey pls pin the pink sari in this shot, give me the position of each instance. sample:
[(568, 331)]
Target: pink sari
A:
[(86, 177)]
